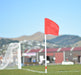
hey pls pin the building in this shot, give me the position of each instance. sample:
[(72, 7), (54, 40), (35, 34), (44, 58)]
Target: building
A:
[(54, 55)]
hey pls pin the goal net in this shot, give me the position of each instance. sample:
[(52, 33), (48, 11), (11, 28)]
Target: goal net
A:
[(11, 58)]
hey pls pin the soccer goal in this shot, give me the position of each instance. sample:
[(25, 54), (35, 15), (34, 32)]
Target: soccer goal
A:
[(11, 58)]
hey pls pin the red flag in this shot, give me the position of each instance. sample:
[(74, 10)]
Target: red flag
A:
[(51, 27)]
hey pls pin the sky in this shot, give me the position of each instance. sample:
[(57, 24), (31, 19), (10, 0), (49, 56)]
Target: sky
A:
[(26, 17)]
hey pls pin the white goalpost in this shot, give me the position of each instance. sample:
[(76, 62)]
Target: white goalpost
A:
[(12, 57)]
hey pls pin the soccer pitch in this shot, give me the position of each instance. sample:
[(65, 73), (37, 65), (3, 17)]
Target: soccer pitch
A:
[(52, 70)]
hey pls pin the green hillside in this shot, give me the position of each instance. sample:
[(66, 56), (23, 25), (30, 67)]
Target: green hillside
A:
[(65, 40), (6, 41)]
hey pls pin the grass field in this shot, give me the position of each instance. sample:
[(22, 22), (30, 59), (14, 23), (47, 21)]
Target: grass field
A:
[(52, 70)]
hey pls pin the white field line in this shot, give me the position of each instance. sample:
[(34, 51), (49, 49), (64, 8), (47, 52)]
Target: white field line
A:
[(63, 71), (42, 71), (48, 72), (68, 71), (34, 71)]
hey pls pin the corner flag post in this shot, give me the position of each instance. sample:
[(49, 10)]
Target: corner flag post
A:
[(45, 56), (50, 28)]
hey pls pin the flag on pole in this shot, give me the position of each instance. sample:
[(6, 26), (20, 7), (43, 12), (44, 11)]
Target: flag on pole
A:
[(51, 27)]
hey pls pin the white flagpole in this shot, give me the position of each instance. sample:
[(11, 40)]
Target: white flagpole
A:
[(45, 56)]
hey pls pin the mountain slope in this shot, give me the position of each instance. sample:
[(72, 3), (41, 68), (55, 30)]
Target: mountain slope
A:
[(60, 41), (6, 41), (37, 36), (65, 40), (77, 44)]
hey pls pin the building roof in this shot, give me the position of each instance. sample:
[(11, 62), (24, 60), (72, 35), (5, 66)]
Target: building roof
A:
[(51, 50), (54, 49), (77, 49), (65, 49), (34, 50)]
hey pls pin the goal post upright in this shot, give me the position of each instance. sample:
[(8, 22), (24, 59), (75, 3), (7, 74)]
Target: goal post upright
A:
[(19, 56)]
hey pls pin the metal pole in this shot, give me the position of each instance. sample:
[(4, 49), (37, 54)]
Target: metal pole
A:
[(37, 57), (64, 55), (45, 56)]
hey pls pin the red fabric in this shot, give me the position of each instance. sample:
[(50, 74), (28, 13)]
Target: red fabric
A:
[(51, 27)]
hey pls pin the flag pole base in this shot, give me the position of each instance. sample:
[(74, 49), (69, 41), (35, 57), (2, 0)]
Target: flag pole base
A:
[(45, 69)]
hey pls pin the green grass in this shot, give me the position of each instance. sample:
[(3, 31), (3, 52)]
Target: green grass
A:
[(52, 70)]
